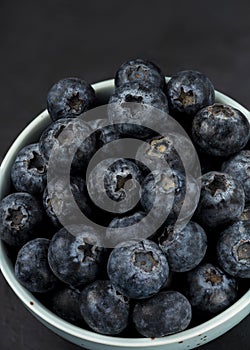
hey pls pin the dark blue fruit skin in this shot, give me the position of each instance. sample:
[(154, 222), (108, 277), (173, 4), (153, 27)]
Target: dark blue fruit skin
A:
[(138, 270), (233, 249), (165, 313), (220, 130), (222, 199), (123, 108), (209, 289), (188, 91), (61, 194), (65, 304), (72, 259), (139, 70), (20, 216), (238, 166), (184, 248), (69, 98), (29, 170), (32, 269), (104, 309), (61, 137)]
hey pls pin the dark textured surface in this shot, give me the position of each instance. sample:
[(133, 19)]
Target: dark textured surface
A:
[(44, 41)]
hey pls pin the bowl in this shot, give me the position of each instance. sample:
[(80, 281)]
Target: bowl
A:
[(188, 339)]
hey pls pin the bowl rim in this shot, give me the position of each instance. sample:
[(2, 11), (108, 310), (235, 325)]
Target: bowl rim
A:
[(53, 320)]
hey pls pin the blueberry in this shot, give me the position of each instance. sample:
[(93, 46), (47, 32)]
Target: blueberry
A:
[(245, 216), (132, 104), (233, 249), (32, 269), (59, 206), (76, 259), (184, 248), (220, 130), (104, 309), (238, 166), (29, 170), (69, 140), (165, 313), (139, 70), (222, 199), (188, 91), (20, 216), (115, 186), (210, 289), (138, 269), (65, 304), (69, 97)]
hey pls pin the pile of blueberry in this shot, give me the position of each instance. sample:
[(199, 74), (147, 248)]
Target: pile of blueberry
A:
[(170, 280)]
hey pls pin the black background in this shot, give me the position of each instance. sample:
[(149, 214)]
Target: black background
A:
[(43, 41)]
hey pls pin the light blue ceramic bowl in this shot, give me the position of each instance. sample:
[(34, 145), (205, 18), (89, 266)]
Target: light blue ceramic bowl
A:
[(188, 339)]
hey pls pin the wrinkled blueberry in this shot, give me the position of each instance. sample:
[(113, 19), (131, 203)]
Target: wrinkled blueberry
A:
[(238, 166), (20, 216), (71, 145), (165, 313), (69, 97), (65, 304), (222, 199), (138, 269), (76, 259), (233, 249), (104, 309), (184, 248), (29, 170), (220, 130), (32, 269), (139, 70), (210, 289), (188, 91)]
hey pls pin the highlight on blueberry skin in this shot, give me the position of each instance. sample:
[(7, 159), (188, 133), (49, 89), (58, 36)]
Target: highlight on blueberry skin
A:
[(20, 216), (104, 309), (188, 91), (233, 249), (32, 269), (209, 289), (29, 170), (222, 199), (139, 70), (220, 130), (69, 98), (184, 248), (164, 314), (137, 269)]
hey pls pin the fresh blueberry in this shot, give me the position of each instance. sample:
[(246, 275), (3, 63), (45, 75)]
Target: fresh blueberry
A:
[(133, 106), (69, 97), (58, 203), (115, 186), (222, 199), (238, 166), (138, 70), (68, 141), (209, 289), (104, 309), (165, 313), (65, 304), (138, 269), (20, 216), (76, 258), (233, 249), (29, 170), (32, 269), (188, 91), (220, 130), (184, 248), (245, 216)]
